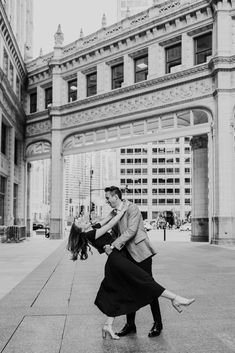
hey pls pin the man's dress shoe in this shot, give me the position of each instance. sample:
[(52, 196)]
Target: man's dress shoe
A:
[(155, 330), (127, 329)]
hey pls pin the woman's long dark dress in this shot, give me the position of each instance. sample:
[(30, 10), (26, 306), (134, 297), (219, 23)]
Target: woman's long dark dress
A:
[(125, 287)]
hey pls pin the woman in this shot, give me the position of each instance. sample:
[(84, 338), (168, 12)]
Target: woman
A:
[(125, 287)]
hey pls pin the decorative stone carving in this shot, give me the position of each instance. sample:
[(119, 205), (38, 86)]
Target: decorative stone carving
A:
[(137, 104), (104, 21), (169, 7), (38, 128), (73, 141), (37, 148), (198, 142), (59, 37)]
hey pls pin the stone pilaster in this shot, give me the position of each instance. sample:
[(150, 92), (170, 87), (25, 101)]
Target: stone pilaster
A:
[(81, 80), (103, 78), (40, 98), (187, 51), (222, 27), (156, 61), (200, 231), (128, 71), (10, 179), (56, 223), (21, 186), (57, 83)]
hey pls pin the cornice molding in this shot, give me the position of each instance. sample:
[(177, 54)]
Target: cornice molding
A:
[(152, 26)]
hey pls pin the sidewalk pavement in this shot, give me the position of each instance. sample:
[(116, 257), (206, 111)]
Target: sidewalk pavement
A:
[(52, 311)]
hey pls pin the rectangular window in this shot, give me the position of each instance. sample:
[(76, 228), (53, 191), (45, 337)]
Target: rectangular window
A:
[(91, 84), (161, 191), (170, 191), (173, 57), (162, 201), (137, 160), (4, 139), (33, 102), (170, 201), (16, 159), (137, 150), (203, 48), (72, 90), (2, 198), (141, 68), (48, 97), (117, 75)]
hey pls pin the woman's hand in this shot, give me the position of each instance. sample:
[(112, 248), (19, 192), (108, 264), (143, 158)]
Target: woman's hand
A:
[(124, 207)]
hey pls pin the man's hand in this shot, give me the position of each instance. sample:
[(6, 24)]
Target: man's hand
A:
[(108, 249)]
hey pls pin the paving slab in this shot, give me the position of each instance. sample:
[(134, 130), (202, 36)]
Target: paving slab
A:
[(52, 309)]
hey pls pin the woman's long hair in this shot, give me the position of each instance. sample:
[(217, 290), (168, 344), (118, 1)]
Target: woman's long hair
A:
[(77, 243)]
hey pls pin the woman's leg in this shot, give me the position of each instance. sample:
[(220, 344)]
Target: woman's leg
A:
[(109, 329), (176, 300)]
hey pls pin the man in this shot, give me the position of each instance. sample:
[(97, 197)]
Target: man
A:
[(132, 236)]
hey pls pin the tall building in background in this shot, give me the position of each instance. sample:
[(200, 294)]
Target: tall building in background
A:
[(20, 17), (157, 177), (41, 190)]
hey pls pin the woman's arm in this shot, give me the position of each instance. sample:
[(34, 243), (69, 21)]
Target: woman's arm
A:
[(105, 220), (101, 231)]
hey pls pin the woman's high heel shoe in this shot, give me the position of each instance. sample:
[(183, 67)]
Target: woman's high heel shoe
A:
[(178, 301), (107, 329)]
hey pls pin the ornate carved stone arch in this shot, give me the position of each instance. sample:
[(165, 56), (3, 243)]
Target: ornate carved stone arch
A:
[(39, 149), (132, 131)]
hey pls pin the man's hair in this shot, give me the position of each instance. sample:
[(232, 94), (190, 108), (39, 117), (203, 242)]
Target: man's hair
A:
[(114, 190)]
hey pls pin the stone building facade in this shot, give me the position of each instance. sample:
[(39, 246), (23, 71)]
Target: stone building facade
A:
[(162, 74), (13, 77)]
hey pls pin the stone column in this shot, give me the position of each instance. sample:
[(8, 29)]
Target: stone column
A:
[(28, 199), (200, 230), (56, 221), (224, 168)]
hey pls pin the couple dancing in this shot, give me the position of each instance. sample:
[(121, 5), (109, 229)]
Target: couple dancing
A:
[(128, 284)]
